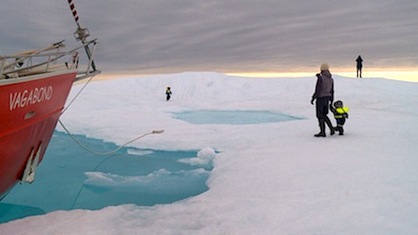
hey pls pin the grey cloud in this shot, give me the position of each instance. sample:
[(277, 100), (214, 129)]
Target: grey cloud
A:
[(225, 36)]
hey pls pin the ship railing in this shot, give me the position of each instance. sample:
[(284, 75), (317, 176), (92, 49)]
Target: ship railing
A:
[(46, 60)]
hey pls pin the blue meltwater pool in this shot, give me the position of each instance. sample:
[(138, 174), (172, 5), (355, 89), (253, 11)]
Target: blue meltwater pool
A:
[(233, 117), (69, 177)]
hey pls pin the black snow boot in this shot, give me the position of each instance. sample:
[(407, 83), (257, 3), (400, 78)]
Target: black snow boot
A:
[(341, 130), (322, 129)]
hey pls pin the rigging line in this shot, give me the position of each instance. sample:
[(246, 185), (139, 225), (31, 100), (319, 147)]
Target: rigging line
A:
[(78, 93), (109, 152)]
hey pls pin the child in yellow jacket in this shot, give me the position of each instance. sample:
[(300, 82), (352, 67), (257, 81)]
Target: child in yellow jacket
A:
[(340, 114)]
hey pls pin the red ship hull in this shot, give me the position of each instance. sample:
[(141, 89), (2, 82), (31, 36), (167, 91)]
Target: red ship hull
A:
[(30, 109)]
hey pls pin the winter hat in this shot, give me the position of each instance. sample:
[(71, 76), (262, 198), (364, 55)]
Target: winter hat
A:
[(338, 104), (324, 67)]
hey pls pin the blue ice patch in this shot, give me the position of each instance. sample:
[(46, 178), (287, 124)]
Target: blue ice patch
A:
[(69, 177), (233, 117)]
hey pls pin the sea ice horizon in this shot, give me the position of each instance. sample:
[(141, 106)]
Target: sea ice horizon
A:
[(407, 75)]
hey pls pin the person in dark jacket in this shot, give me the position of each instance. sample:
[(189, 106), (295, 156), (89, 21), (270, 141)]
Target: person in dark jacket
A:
[(359, 61), (324, 95)]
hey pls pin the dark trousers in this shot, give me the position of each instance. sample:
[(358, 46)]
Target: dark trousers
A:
[(322, 108), (340, 125), (359, 71), (340, 121)]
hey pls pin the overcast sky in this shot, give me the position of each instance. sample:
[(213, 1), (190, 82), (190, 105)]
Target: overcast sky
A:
[(155, 36)]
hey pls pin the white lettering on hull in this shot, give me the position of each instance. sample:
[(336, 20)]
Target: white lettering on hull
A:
[(30, 97)]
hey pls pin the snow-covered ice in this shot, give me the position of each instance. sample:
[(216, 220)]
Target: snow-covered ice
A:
[(269, 178)]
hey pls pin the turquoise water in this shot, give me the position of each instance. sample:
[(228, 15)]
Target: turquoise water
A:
[(233, 117), (72, 178), (69, 177)]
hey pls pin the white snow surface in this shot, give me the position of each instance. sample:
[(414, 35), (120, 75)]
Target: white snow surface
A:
[(271, 178)]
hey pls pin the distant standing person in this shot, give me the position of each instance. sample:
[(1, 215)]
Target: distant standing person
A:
[(324, 94), (359, 61), (168, 93)]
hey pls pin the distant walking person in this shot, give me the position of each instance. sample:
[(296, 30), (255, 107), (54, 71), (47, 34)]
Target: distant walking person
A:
[(324, 94), (168, 93), (359, 61)]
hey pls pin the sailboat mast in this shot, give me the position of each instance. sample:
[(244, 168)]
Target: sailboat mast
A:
[(81, 34)]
